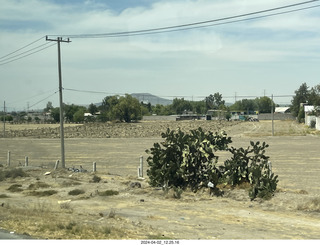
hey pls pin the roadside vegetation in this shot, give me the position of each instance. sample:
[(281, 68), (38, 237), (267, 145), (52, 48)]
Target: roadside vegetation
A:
[(190, 160)]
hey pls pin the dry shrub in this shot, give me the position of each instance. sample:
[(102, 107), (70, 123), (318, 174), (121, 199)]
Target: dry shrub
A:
[(108, 193), (42, 193), (96, 179), (15, 188), (12, 173), (70, 183), (76, 192), (38, 185), (312, 205)]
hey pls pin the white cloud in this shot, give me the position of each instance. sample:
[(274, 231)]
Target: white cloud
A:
[(222, 53)]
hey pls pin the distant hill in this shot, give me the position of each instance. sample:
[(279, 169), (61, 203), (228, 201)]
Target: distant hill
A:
[(150, 98)]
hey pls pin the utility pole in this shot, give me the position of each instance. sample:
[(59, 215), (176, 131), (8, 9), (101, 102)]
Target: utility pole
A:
[(59, 40), (4, 119), (272, 115)]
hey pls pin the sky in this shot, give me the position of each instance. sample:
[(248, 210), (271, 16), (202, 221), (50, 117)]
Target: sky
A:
[(240, 60)]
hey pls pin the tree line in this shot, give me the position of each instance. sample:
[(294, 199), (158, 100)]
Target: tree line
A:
[(127, 108)]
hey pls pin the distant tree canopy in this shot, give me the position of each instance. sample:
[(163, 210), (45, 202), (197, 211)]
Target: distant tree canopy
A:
[(214, 102), (127, 108), (306, 96), (262, 104)]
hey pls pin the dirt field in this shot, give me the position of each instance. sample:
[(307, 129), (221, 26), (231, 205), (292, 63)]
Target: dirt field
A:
[(146, 212)]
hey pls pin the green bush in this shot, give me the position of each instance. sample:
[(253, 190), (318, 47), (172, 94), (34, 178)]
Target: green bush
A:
[(186, 160), (189, 160)]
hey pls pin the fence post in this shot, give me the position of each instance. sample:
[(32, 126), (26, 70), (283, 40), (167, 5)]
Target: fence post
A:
[(56, 165), (94, 167), (26, 161), (141, 166), (8, 159)]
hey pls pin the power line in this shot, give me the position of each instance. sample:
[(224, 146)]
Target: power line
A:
[(175, 96), (194, 24), (30, 97), (23, 47), (183, 27), (43, 99), (4, 59), (29, 53)]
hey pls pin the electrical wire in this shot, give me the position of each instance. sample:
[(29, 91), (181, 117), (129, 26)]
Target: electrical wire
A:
[(43, 99), (2, 60), (176, 96), (22, 47), (183, 27), (30, 97), (28, 54), (194, 24)]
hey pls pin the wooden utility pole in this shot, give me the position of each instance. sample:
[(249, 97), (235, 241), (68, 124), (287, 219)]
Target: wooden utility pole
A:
[(4, 119), (59, 40), (272, 115)]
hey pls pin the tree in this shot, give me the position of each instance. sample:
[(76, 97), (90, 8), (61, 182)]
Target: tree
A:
[(181, 105), (78, 116), (70, 110), (264, 104), (128, 109), (244, 105), (314, 96), (301, 96), (92, 109), (55, 114), (214, 102), (199, 107), (48, 107)]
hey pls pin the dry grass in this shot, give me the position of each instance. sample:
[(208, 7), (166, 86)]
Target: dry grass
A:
[(312, 205)]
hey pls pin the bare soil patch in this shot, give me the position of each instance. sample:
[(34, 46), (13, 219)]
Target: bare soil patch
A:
[(116, 207)]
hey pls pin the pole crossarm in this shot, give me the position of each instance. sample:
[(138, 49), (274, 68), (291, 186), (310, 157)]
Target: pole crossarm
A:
[(59, 40)]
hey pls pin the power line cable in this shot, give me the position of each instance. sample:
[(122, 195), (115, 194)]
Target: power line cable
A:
[(176, 96), (23, 47), (1, 60), (182, 27), (28, 54), (191, 25), (43, 99), (30, 97)]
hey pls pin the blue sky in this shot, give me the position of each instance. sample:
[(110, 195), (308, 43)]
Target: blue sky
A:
[(248, 59)]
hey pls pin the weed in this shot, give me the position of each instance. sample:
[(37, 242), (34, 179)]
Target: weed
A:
[(15, 188), (38, 185), (106, 230), (42, 193), (96, 179), (312, 205), (70, 183), (76, 192), (112, 213), (70, 225), (13, 173), (108, 193), (4, 196)]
